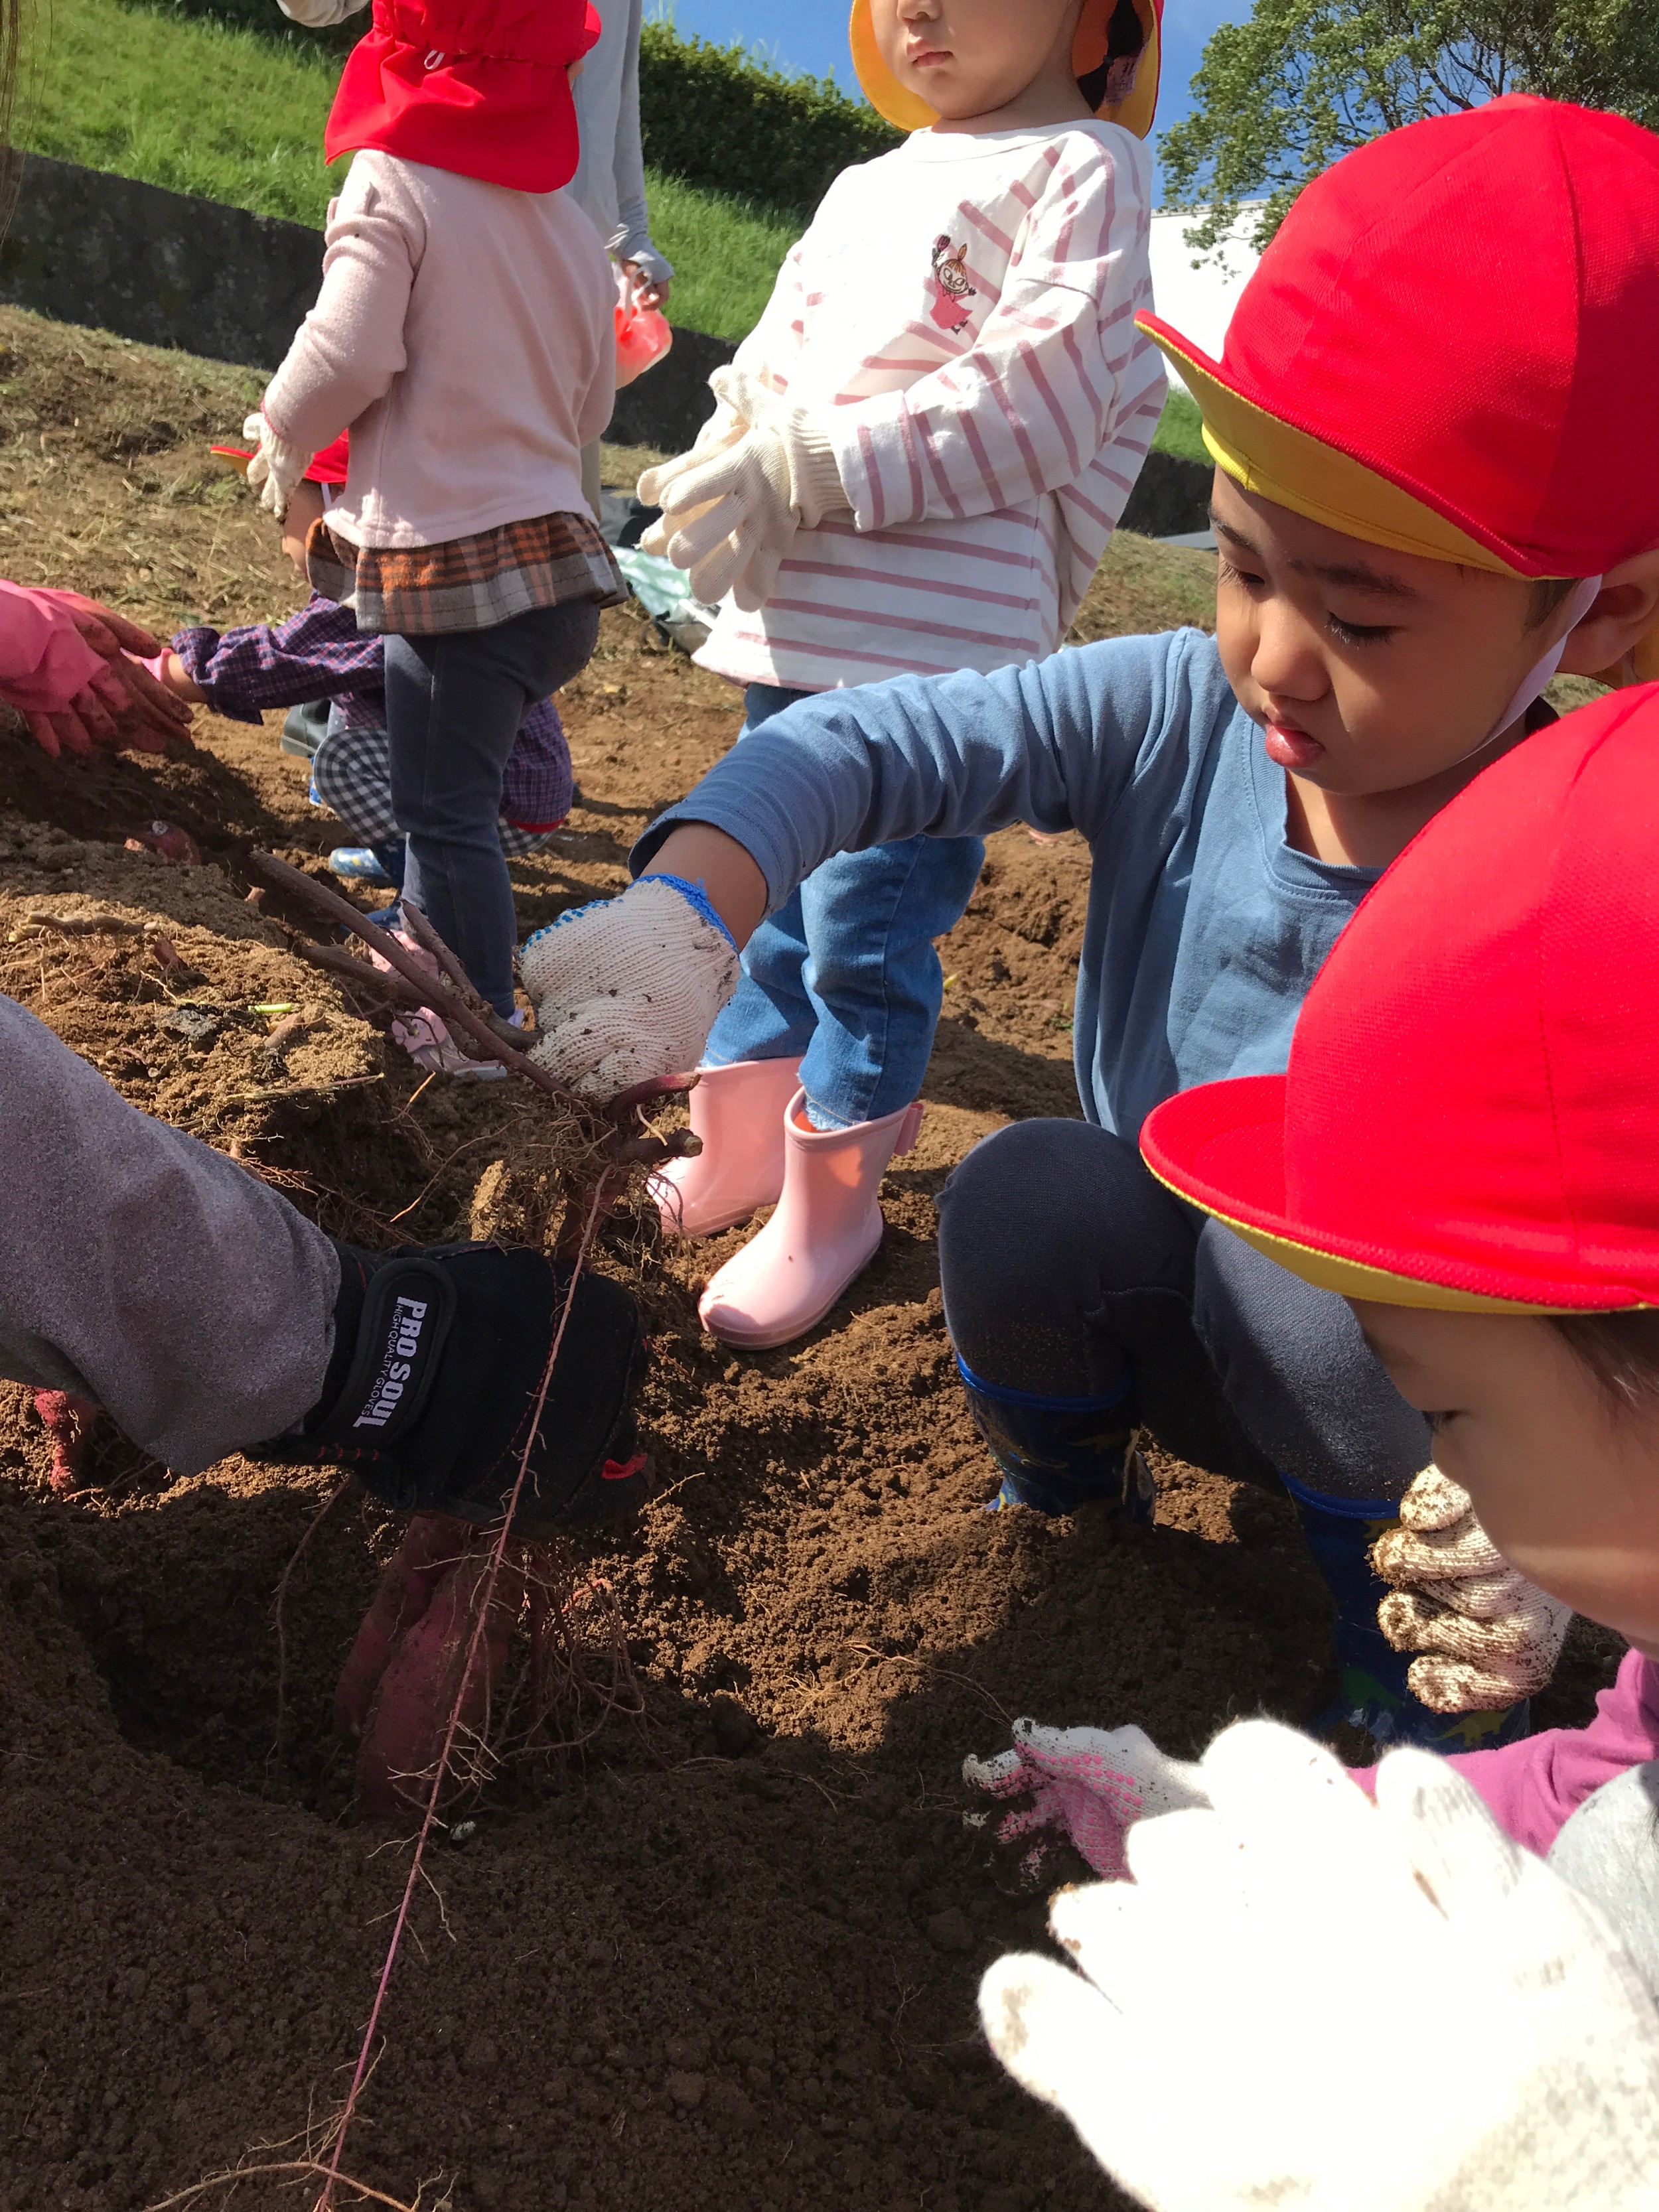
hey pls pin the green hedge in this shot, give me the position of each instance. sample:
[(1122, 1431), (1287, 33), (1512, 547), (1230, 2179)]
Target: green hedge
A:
[(715, 117)]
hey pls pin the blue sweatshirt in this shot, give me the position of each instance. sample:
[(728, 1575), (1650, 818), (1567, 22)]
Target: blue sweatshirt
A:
[(1205, 928)]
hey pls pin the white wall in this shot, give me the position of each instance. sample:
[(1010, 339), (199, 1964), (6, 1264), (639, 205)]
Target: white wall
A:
[(1199, 302)]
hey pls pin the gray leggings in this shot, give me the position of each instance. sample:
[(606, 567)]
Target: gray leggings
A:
[(1068, 1269), (453, 704)]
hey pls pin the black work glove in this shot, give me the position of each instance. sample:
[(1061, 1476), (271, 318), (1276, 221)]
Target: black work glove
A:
[(439, 1352)]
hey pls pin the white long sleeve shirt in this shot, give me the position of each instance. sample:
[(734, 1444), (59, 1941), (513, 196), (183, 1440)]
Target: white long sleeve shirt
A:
[(960, 317)]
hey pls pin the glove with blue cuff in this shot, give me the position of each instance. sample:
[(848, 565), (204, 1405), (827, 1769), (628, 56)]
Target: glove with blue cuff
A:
[(628, 988)]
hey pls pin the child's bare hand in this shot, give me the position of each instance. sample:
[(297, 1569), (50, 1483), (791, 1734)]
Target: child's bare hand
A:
[(171, 673)]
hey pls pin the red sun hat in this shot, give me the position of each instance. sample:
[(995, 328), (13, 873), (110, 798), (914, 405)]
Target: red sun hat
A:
[(1471, 1116), (1448, 347), (476, 87), (332, 465)]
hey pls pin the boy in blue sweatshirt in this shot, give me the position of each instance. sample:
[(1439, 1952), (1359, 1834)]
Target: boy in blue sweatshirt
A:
[(1424, 505)]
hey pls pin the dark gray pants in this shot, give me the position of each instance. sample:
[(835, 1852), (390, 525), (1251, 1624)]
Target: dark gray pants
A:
[(453, 704), (1067, 1268)]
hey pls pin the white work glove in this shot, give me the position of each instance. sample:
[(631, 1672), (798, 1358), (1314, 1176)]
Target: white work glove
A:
[(319, 14), (1489, 1636), (628, 988), (276, 466), (1091, 1784), (730, 515), (1305, 2000)]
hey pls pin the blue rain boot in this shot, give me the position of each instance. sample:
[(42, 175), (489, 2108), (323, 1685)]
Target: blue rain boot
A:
[(1055, 1454), (1374, 1693), (357, 864)]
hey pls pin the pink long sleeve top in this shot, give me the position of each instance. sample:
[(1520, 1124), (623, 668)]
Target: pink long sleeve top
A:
[(44, 660), (465, 334), (1533, 1787)]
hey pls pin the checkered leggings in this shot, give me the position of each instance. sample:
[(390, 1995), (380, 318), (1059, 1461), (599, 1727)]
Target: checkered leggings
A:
[(351, 775)]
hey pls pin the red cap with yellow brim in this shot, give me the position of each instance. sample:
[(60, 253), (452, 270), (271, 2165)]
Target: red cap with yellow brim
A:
[(1134, 109), (1491, 406), (1470, 1119)]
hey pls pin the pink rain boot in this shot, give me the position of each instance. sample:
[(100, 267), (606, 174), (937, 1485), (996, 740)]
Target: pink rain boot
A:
[(824, 1232), (738, 1111)]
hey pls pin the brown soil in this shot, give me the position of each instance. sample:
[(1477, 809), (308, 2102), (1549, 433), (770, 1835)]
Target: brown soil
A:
[(727, 1955)]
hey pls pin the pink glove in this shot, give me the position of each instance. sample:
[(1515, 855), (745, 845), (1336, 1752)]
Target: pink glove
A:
[(45, 662), (1089, 1785)]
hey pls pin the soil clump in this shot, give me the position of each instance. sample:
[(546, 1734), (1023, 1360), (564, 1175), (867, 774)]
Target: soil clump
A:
[(724, 1953)]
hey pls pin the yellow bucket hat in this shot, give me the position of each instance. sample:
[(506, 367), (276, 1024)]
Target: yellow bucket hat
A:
[(907, 111)]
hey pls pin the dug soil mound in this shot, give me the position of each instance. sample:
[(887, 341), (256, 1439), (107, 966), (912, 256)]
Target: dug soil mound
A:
[(722, 1952)]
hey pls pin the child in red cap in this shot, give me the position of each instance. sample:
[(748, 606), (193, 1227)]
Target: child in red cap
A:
[(1466, 1148), (1436, 484), (464, 333)]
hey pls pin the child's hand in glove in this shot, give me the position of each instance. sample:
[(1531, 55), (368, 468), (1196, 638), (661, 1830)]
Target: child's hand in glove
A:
[(629, 987), (1091, 1784), (1488, 1636), (1292, 1942), (276, 466), (730, 513)]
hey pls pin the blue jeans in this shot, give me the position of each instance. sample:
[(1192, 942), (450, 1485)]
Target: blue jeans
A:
[(453, 704), (1068, 1273), (844, 973)]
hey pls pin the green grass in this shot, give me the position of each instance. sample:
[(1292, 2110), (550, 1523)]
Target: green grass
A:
[(1179, 428), (177, 102), (726, 253)]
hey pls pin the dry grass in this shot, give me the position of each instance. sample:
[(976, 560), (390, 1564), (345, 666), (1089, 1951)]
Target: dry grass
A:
[(1141, 587), (106, 483)]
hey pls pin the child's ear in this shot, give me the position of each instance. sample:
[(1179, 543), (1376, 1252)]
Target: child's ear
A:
[(1625, 612)]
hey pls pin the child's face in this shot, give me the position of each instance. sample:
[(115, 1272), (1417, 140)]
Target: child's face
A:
[(970, 57), (1368, 671), (305, 505), (1566, 1487)]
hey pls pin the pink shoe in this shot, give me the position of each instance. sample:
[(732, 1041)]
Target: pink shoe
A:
[(825, 1232), (738, 1111)]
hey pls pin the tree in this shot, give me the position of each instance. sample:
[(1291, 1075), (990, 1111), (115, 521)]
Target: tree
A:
[(1282, 96)]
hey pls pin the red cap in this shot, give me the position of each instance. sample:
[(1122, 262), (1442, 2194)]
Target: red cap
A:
[(477, 86), (1448, 347), (333, 464), (1471, 1116)]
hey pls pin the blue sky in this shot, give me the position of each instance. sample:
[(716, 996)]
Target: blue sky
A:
[(812, 35)]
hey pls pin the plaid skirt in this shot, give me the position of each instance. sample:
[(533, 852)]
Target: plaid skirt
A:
[(470, 583)]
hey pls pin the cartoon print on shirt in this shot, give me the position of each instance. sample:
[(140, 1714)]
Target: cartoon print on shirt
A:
[(951, 289)]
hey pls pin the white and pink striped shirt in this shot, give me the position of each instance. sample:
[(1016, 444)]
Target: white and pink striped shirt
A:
[(963, 311)]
